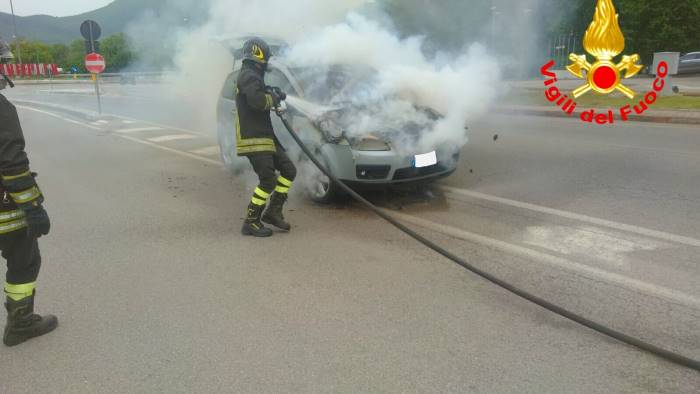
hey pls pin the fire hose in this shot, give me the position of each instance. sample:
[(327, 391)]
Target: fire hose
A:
[(605, 330)]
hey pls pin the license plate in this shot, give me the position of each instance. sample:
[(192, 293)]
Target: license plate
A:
[(426, 160)]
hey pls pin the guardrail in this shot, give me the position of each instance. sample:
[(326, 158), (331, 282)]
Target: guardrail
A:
[(123, 78)]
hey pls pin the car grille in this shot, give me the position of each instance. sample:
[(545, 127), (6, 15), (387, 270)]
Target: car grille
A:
[(372, 172), (412, 172)]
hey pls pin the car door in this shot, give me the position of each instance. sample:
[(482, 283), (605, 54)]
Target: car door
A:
[(695, 63), (226, 115), (689, 64)]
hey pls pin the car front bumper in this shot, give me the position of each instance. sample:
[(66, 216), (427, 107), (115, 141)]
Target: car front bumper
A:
[(384, 167)]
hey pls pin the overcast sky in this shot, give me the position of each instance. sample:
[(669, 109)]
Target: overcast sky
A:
[(52, 7)]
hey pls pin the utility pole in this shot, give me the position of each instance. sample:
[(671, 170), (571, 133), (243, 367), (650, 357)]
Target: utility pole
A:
[(494, 15), (14, 36)]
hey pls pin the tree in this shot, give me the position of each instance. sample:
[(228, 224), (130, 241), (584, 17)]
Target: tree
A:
[(35, 52), (76, 56), (649, 25), (447, 24), (59, 53), (658, 25), (116, 51)]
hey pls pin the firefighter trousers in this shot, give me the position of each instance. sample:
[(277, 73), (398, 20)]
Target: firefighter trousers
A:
[(266, 167), (21, 252)]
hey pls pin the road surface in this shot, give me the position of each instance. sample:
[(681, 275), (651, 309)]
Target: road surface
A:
[(156, 291)]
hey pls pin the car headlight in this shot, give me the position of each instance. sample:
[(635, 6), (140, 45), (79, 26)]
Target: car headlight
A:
[(331, 129)]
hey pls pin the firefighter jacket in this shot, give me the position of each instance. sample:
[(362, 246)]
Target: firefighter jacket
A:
[(254, 132), (18, 189)]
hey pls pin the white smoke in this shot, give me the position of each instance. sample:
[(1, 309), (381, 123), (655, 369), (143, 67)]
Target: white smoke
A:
[(202, 62), (460, 87)]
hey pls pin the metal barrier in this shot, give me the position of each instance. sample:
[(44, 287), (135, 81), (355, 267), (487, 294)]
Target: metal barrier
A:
[(123, 78)]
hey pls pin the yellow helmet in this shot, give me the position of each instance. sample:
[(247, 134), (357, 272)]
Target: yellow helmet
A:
[(257, 50)]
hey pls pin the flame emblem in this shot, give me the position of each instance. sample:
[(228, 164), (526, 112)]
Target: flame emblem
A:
[(604, 40)]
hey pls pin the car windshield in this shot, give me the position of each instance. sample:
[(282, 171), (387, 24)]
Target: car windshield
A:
[(336, 84)]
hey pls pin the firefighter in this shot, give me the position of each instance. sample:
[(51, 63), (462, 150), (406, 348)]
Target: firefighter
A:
[(256, 140), (22, 221)]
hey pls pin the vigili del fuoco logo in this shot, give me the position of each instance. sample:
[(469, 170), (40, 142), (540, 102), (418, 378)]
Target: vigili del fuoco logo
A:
[(604, 41)]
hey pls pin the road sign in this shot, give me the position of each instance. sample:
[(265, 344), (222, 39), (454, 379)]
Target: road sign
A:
[(95, 63), (90, 30)]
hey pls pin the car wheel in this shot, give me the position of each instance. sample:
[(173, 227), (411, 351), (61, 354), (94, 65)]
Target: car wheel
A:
[(321, 189)]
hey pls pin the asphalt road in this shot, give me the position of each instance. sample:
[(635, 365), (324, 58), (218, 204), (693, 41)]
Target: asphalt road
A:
[(156, 291)]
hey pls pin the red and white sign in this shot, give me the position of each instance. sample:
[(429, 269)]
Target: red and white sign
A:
[(95, 63), (28, 70)]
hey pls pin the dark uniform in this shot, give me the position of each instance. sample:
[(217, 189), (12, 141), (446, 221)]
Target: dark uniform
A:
[(255, 139), (22, 221)]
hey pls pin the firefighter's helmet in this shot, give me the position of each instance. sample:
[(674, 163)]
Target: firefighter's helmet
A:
[(257, 50)]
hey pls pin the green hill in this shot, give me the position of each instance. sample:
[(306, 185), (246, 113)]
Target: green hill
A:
[(113, 18)]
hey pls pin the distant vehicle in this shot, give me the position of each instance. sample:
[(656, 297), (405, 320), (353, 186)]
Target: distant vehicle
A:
[(689, 63), (318, 117)]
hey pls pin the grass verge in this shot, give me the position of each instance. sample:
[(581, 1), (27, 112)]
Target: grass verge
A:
[(677, 102)]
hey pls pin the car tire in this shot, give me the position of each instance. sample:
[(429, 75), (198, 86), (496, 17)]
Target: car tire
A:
[(321, 190), (324, 192)]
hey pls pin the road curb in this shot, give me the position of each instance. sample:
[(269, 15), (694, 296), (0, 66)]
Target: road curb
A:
[(675, 119)]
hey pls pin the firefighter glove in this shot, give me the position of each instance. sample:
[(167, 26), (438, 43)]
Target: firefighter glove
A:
[(277, 95), (38, 222)]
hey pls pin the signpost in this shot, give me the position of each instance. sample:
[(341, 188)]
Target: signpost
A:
[(94, 62)]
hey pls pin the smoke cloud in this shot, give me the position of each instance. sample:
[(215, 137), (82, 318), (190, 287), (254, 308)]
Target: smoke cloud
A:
[(415, 77), (459, 88)]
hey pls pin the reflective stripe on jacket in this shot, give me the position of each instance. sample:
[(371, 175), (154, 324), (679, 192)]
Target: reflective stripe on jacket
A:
[(11, 218), (12, 221)]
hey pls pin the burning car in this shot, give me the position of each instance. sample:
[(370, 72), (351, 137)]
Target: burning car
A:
[(331, 124)]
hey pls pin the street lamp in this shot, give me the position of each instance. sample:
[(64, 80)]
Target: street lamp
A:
[(14, 34)]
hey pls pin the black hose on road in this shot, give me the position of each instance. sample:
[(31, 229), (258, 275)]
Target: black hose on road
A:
[(663, 353)]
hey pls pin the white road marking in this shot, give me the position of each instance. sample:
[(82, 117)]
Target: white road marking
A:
[(80, 123), (588, 241), (162, 126), (58, 116), (171, 150), (102, 122), (581, 269), (208, 151), (575, 216), (138, 129), (126, 137), (129, 120), (172, 137)]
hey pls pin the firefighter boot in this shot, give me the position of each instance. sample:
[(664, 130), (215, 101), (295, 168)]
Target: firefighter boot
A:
[(273, 215), (23, 324), (252, 225)]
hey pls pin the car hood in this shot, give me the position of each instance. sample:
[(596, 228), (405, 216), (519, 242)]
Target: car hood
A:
[(341, 115)]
